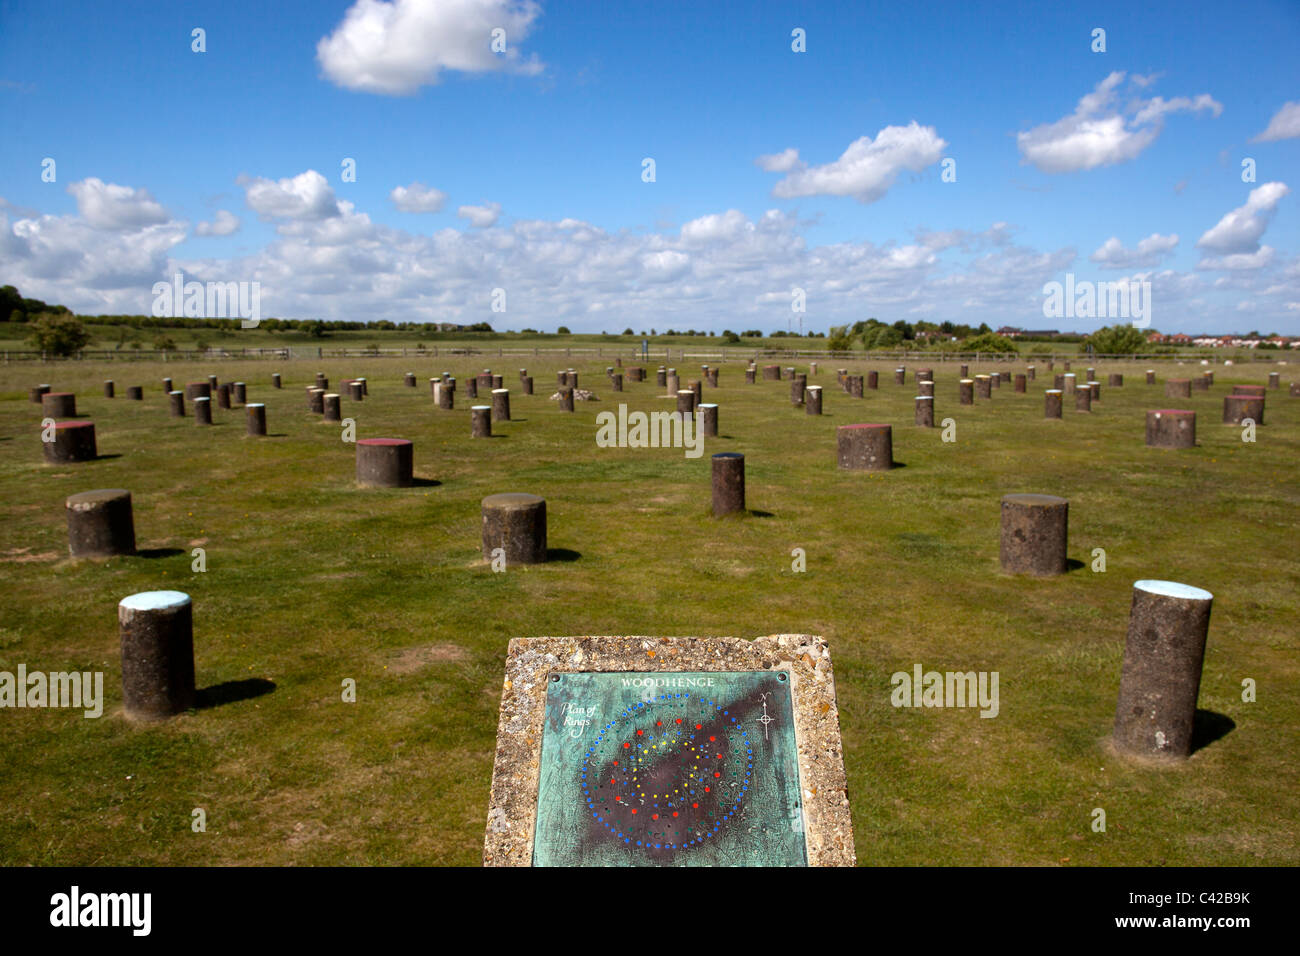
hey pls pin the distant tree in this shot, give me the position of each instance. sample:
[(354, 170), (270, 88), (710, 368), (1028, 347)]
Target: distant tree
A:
[(60, 334), (165, 343), (988, 342), (1120, 339), (628, 332), (730, 337), (563, 330), (317, 329)]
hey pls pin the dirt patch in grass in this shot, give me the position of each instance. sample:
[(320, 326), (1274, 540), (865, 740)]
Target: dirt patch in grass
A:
[(415, 658)]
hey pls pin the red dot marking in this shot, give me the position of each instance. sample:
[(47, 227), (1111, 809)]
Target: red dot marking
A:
[(640, 732), (695, 806), (717, 774), (654, 816), (674, 813), (679, 720), (625, 746), (634, 809), (711, 739), (699, 726)]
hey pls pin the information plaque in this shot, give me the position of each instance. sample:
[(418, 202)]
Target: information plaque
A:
[(679, 769)]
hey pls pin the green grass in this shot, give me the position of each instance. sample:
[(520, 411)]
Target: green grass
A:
[(312, 580)]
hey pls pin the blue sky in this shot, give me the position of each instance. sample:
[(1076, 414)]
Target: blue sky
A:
[(774, 169)]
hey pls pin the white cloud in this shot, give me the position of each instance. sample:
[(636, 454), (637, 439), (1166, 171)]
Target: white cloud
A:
[(1098, 133), (1285, 124), (718, 226), (1238, 260), (223, 224), (110, 206), (1239, 230), (305, 196), (1148, 254), (480, 217), (865, 171), (396, 47), (418, 197)]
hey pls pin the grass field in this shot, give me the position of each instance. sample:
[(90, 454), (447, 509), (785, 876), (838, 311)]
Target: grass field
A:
[(311, 580)]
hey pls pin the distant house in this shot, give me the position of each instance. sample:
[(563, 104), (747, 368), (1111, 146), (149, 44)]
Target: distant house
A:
[(1011, 332)]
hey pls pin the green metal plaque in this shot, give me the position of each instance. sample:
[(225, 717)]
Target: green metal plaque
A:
[(669, 769)]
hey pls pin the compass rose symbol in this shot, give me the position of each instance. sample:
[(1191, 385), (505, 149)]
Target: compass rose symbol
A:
[(766, 718)]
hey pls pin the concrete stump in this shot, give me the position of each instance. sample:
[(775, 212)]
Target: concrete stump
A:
[(275, 380), (797, 386), (37, 392), (616, 381), (501, 404), (873, 380), (772, 373), (1178, 388), (685, 402), (1095, 388), (865, 447), (212, 384), (202, 410), (194, 390), (523, 374), (661, 377), (813, 400), (157, 637), (925, 410), (566, 399), (1083, 399), (855, 386), (1171, 428), (1257, 390), (572, 380), (983, 386), (1034, 534), (239, 393), (1160, 680), (316, 400), (471, 388), (176, 401), (1208, 376), (167, 386), (1058, 382), (385, 462), (1092, 374), (322, 382), (528, 385), (995, 379), (1237, 407), (926, 388), (1052, 403), (712, 378), (410, 380), (1116, 380), (710, 422), (1151, 377), (354, 391), (73, 441), (446, 396), (812, 368), (108, 388), (1274, 381), (728, 483), (674, 383), (1069, 382), (59, 405), (331, 407), (516, 523), (256, 419), (966, 391), (1295, 390), (923, 375), (1201, 383), (480, 421), (900, 376), (100, 524), (1066, 366), (695, 386), (223, 395), (1031, 373), (498, 381), (965, 371), (135, 393), (749, 376), (1020, 383)]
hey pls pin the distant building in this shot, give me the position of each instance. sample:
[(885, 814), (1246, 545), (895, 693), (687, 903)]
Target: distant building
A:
[(1011, 332)]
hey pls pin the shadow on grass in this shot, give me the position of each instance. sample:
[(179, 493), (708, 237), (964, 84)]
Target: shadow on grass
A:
[(159, 552), (425, 482), (562, 554), (1073, 564), (756, 513), (232, 691), (1209, 726), (106, 457)]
